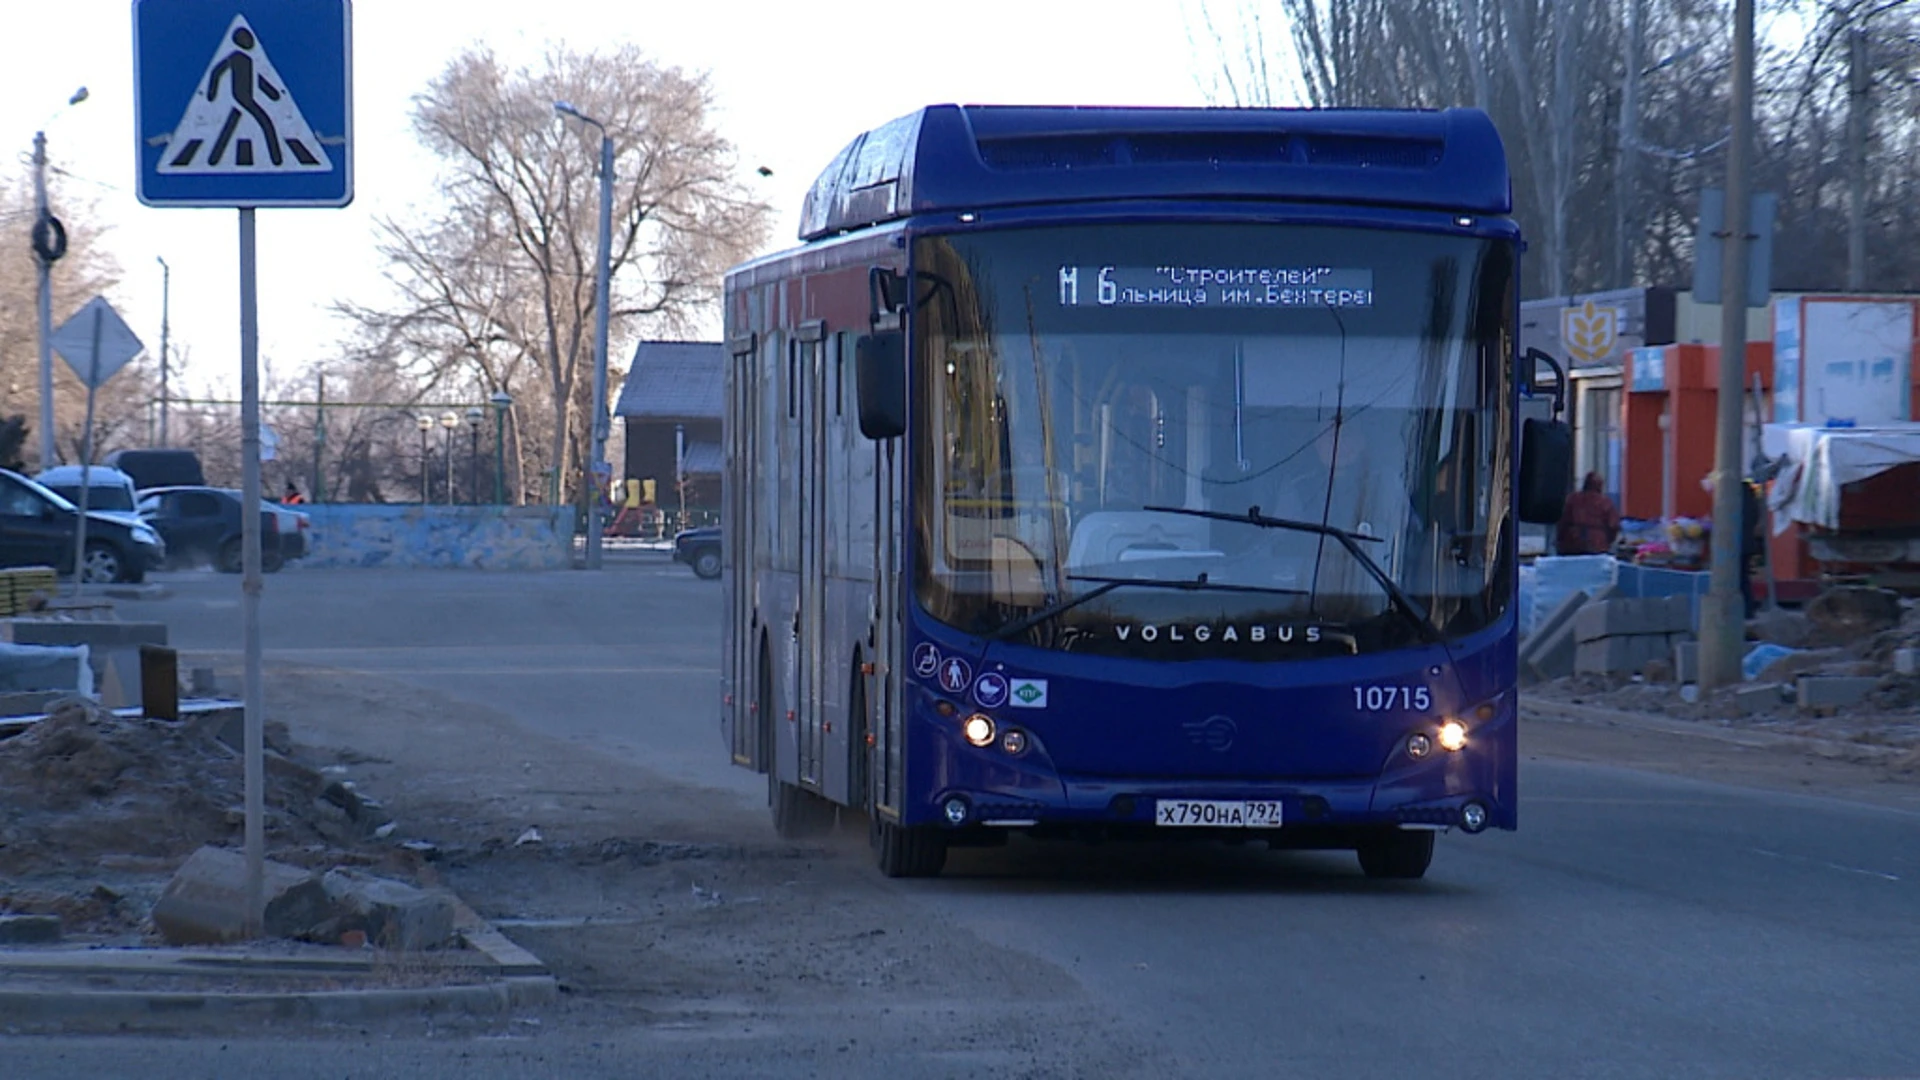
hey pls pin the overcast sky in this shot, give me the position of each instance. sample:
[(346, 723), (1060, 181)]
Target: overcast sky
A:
[(795, 80)]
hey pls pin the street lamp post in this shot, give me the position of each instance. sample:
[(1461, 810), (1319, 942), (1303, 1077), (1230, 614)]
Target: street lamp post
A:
[(49, 244), (502, 401), (425, 424), (449, 421), (475, 415), (166, 302), (601, 290)]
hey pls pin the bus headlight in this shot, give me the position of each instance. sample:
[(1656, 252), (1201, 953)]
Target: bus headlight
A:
[(1453, 735), (978, 730)]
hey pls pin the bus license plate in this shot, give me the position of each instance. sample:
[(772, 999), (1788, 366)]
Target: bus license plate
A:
[(1217, 813)]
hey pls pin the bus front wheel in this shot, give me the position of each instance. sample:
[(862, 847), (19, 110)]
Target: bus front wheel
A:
[(1400, 854), (906, 852)]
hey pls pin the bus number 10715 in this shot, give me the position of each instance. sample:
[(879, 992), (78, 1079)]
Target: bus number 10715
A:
[(1391, 698)]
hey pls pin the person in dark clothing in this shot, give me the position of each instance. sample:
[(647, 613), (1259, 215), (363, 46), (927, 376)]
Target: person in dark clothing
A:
[(1589, 523), (1752, 541)]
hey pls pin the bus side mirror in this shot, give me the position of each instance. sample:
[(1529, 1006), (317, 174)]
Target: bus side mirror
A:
[(1546, 470), (880, 379)]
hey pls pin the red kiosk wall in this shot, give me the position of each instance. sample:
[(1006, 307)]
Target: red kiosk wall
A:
[(1684, 383)]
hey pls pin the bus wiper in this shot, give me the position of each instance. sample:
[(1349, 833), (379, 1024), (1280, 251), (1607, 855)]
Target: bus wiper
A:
[(1105, 585), (1349, 540)]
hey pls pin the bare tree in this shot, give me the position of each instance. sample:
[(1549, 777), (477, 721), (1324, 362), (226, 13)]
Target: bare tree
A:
[(1555, 74), (86, 271), (496, 290)]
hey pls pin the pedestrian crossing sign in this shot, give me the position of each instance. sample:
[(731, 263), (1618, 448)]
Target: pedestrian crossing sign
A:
[(244, 103), (242, 117)]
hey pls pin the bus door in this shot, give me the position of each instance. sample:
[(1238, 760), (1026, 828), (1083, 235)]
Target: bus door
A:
[(738, 526), (886, 690), (812, 629)]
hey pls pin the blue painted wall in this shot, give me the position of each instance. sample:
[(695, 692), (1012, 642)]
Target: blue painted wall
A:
[(470, 537)]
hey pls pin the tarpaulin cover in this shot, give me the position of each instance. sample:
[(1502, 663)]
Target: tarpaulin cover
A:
[(1822, 460)]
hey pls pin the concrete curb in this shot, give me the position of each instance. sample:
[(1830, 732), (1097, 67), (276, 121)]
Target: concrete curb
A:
[(173, 1008), (1567, 712), (513, 978)]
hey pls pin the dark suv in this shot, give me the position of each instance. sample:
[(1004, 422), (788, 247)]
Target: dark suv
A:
[(37, 528), (159, 468), (700, 549)]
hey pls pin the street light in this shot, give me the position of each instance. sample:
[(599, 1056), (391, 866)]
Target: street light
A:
[(475, 414), (425, 424), (49, 244), (502, 401), (449, 420), (601, 286)]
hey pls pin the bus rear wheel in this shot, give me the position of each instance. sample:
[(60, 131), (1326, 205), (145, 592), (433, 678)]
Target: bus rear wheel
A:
[(797, 814), (1400, 854), (904, 852)]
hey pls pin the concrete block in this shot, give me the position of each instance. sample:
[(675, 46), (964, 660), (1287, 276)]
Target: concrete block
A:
[(116, 673), (45, 667), (1669, 614), (1623, 654), (1553, 657), (1632, 616), (1756, 697), (1605, 619), (1906, 661), (1548, 627), (205, 903), (1834, 691), (392, 914), (1686, 661), (29, 929), (29, 702), (97, 635)]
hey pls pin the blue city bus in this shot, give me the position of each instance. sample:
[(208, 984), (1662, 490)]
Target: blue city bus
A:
[(1118, 472)]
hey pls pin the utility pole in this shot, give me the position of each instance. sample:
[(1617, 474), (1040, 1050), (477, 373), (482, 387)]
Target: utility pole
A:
[(44, 299), (1859, 90), (1623, 166), (166, 304), (1723, 617), (603, 272)]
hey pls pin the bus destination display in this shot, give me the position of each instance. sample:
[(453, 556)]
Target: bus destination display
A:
[(1216, 286)]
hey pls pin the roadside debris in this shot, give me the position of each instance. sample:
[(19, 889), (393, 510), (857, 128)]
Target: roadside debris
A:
[(1845, 668), (100, 808)]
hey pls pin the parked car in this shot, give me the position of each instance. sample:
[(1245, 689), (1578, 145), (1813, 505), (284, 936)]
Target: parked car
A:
[(109, 490), (37, 527), (700, 549), (159, 468), (201, 526), (294, 526)]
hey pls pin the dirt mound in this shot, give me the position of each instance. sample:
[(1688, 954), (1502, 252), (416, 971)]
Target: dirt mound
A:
[(86, 789)]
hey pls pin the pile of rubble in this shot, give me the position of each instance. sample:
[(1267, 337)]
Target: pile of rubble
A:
[(1847, 666), (101, 808)]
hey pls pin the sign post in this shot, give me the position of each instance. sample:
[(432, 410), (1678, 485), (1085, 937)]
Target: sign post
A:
[(245, 104), (96, 343)]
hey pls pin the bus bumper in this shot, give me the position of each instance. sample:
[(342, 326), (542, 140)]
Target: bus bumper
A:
[(985, 787)]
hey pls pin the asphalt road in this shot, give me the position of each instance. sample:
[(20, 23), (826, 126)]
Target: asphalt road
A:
[(1639, 925)]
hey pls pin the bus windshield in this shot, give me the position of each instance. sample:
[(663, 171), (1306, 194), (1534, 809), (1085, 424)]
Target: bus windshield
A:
[(1131, 409)]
